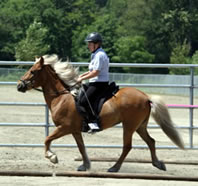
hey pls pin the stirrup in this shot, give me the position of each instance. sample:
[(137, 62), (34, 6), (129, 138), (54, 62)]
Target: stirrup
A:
[(93, 127)]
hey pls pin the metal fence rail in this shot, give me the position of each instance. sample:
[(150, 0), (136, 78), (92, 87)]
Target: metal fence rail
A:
[(191, 86)]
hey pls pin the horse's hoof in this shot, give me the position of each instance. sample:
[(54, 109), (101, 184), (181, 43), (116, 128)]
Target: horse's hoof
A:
[(82, 168), (51, 156), (54, 159), (113, 169), (160, 165)]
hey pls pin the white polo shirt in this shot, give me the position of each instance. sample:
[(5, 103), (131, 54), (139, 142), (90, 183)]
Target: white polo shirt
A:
[(100, 62)]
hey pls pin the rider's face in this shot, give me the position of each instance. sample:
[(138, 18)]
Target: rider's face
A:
[(92, 46)]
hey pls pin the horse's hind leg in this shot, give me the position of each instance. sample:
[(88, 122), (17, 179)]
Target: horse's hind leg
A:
[(142, 131), (127, 137)]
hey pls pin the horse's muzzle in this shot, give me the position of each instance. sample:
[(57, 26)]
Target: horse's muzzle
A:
[(21, 86)]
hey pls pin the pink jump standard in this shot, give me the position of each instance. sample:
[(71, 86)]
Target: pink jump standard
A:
[(129, 106)]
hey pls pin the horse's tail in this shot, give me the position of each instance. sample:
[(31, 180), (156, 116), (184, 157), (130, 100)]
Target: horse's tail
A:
[(161, 115)]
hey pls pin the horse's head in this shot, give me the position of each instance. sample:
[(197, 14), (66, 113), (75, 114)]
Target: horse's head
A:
[(31, 78)]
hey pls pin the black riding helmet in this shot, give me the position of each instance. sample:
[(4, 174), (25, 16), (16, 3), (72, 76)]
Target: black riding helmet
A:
[(94, 37)]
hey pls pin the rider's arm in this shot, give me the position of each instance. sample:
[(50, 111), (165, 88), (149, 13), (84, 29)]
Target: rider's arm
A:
[(84, 74), (88, 75)]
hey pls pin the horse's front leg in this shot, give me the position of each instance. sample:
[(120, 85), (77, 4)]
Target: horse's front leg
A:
[(58, 132), (86, 162)]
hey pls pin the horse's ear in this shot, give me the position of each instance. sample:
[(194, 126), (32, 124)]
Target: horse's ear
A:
[(39, 60)]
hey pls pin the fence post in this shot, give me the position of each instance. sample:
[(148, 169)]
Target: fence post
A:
[(46, 121), (191, 108)]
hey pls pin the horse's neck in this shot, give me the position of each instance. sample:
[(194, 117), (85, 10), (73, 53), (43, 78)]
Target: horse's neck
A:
[(53, 88)]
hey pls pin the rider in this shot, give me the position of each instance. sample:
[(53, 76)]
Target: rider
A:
[(98, 76)]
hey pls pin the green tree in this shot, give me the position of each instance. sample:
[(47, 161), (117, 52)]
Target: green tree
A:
[(17, 15), (32, 45), (162, 25), (139, 19), (195, 59), (179, 23), (179, 55), (132, 50), (13, 23), (106, 26)]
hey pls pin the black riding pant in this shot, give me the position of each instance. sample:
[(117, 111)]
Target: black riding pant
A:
[(93, 91)]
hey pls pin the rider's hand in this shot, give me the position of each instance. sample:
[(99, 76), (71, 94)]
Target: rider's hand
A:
[(79, 80)]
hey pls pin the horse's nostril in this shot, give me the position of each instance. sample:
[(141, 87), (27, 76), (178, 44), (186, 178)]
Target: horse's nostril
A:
[(18, 87), (21, 87)]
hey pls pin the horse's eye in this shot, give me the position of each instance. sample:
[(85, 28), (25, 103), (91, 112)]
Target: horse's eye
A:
[(32, 72)]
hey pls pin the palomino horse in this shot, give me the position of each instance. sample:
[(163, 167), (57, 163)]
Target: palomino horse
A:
[(129, 106)]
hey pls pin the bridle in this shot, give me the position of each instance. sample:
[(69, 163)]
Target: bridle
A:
[(31, 81)]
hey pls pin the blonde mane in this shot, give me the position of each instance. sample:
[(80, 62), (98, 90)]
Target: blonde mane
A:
[(65, 71)]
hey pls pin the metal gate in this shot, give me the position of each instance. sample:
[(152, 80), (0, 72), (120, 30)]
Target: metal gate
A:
[(191, 86)]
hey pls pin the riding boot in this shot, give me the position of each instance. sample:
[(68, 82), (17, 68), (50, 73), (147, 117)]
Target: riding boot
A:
[(85, 127)]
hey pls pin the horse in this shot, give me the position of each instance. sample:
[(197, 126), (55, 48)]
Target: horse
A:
[(128, 106)]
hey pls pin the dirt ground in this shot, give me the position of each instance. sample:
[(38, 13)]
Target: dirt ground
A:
[(32, 159)]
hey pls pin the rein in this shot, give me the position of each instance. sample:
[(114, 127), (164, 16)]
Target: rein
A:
[(65, 91), (38, 89), (53, 93)]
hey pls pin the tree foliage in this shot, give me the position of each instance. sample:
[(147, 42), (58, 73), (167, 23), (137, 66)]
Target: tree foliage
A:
[(138, 31), (132, 49), (179, 55), (32, 45)]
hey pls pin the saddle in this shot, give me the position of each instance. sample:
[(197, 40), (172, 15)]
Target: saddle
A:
[(109, 92)]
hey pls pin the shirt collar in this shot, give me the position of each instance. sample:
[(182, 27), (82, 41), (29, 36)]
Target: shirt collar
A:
[(98, 49)]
